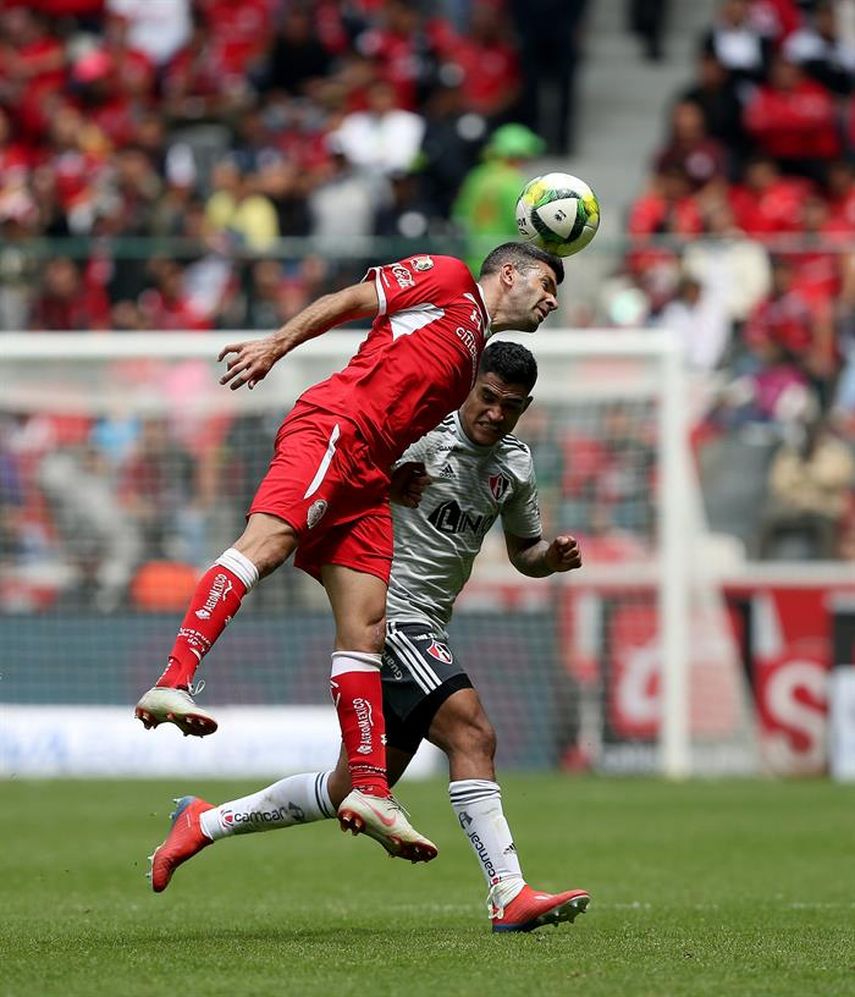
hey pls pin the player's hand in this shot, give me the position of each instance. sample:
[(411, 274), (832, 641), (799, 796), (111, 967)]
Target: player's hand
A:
[(251, 361), (563, 554), (408, 484)]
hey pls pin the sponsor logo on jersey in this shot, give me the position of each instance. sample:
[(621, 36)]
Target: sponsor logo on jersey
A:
[(421, 263), (402, 275), (469, 340), (440, 652), (447, 471), (499, 484), (450, 518), (220, 588), (316, 512)]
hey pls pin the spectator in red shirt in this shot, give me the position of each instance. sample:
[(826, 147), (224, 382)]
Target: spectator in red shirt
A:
[(792, 119), (784, 329), (103, 101), (766, 203), (404, 49), (240, 30), (166, 306), (667, 208), (840, 185), (488, 60), (32, 68), (690, 148), (817, 262), (191, 82), (67, 303)]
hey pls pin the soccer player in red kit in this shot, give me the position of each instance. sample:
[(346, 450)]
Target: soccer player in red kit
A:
[(326, 493)]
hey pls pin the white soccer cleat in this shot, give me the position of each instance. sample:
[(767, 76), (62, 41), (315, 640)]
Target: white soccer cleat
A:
[(175, 706), (383, 819)]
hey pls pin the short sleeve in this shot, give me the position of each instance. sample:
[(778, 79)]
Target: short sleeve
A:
[(419, 280), (521, 513)]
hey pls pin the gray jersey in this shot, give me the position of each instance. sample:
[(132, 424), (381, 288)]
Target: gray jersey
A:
[(436, 543)]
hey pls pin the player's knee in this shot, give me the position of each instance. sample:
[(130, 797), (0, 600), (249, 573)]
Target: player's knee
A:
[(267, 541), (366, 634), (270, 557)]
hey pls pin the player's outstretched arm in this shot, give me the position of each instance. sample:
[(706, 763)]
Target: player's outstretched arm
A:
[(538, 558), (250, 362)]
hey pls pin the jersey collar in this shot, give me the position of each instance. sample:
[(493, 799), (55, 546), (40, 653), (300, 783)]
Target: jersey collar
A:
[(488, 320)]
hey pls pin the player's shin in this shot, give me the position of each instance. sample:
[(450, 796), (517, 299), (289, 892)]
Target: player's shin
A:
[(478, 806), (297, 799), (217, 598), (357, 692)]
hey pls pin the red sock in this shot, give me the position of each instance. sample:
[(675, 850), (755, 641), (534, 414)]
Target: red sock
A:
[(216, 599), (358, 696)]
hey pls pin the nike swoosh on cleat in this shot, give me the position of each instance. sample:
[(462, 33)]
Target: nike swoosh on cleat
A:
[(386, 821)]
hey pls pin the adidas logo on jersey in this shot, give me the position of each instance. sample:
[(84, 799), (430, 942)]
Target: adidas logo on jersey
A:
[(447, 472)]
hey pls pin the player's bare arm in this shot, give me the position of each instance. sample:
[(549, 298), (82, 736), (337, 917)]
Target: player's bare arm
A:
[(537, 558), (252, 360), (408, 483)]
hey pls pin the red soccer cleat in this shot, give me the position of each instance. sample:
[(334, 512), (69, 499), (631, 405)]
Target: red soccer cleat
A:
[(532, 909), (184, 840)]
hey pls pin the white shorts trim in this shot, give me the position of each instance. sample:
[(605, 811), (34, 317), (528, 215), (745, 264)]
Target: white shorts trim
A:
[(324, 465)]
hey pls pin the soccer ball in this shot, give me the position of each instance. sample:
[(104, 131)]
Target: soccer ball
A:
[(558, 212)]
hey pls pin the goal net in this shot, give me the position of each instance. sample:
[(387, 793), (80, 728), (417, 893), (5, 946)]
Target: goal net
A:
[(125, 469)]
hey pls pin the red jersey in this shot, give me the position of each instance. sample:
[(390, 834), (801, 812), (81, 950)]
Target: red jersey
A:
[(420, 358)]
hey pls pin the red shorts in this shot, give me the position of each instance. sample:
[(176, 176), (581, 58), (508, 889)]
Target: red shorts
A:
[(323, 483)]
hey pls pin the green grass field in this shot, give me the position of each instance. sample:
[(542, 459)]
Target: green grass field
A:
[(704, 888)]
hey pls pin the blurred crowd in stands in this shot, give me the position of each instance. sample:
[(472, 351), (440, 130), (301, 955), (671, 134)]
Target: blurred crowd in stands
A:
[(744, 242), (227, 125), (204, 164)]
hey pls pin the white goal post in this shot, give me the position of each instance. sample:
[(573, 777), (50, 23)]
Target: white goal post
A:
[(77, 373)]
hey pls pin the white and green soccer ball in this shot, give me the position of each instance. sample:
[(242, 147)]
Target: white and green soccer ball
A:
[(558, 212)]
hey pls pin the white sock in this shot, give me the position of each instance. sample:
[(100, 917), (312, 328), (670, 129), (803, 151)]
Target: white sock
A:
[(240, 565), (478, 805), (297, 799)]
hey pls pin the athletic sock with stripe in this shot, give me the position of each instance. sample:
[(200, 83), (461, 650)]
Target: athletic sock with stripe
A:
[(216, 600), (478, 805), (297, 799), (357, 693)]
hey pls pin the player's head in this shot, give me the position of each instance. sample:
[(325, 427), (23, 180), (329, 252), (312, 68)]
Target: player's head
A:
[(520, 283), (501, 393)]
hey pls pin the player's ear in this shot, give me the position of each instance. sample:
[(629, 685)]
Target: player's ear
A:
[(509, 272)]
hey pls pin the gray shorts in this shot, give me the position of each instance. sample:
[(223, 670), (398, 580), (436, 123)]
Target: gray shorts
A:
[(419, 673)]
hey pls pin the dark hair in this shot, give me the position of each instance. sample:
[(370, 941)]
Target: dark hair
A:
[(523, 256), (513, 363)]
